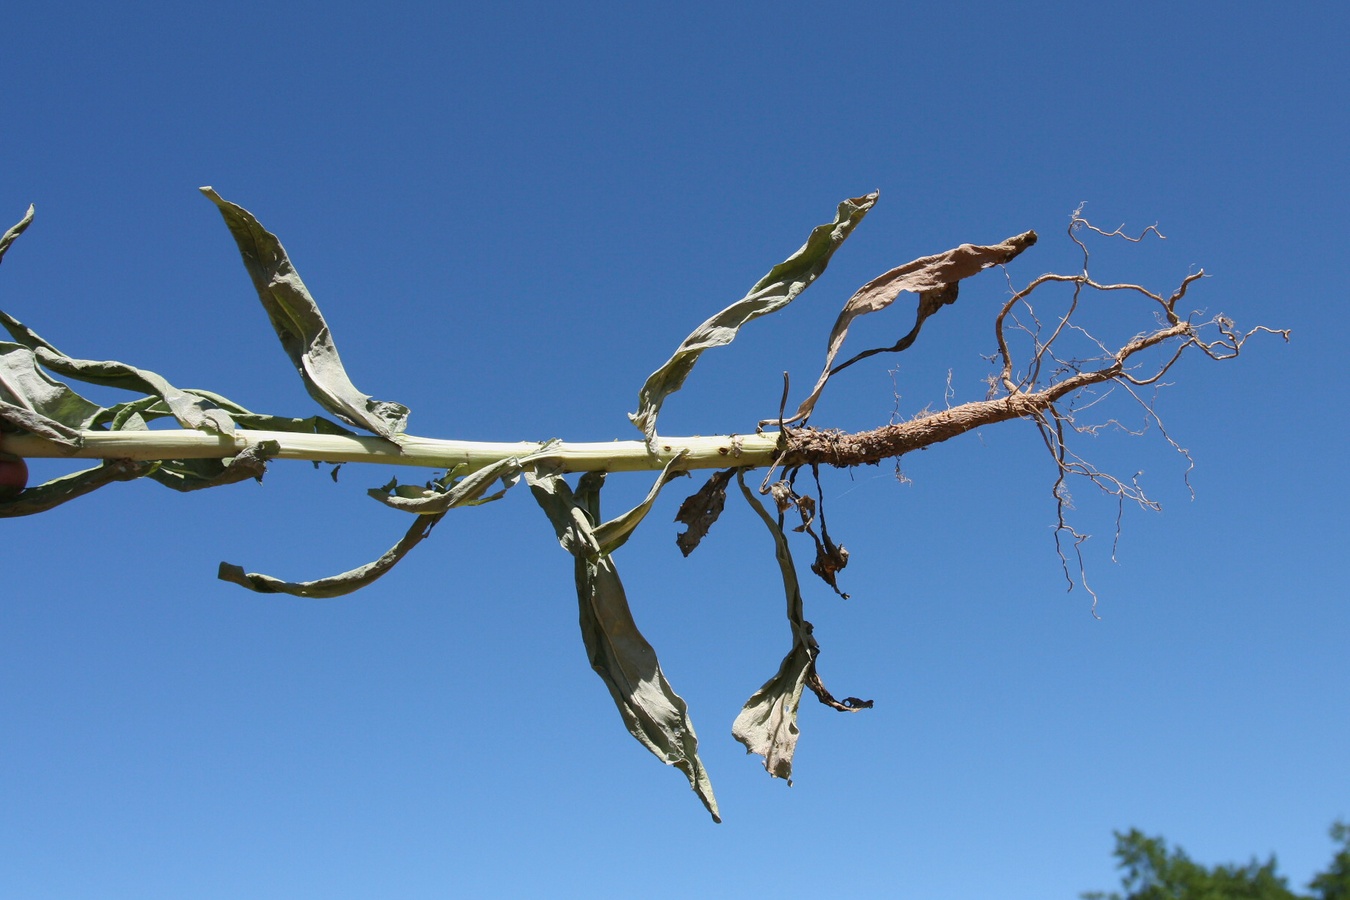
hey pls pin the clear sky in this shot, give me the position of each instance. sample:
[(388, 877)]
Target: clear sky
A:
[(511, 214)]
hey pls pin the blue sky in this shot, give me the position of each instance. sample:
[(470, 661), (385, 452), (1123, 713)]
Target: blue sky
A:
[(511, 214)]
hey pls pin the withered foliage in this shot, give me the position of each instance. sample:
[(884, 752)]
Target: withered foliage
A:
[(1049, 369)]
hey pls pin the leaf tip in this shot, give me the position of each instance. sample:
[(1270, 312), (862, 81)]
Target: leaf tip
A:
[(232, 573), (210, 194)]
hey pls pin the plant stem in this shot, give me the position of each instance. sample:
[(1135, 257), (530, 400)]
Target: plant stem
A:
[(714, 452)]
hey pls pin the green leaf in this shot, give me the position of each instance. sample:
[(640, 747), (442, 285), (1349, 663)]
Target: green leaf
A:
[(936, 281), (771, 293), (1334, 882), (301, 327), (653, 713)]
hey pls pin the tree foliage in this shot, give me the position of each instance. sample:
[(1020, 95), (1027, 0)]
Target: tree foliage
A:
[(1154, 871)]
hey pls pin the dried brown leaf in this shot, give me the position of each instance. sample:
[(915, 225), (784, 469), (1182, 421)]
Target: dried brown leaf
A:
[(700, 510), (934, 278)]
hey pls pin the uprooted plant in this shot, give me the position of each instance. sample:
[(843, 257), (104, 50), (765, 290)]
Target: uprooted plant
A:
[(1046, 369)]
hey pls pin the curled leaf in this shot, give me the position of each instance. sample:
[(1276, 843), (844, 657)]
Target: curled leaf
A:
[(934, 278), (198, 474), (651, 710), (334, 585), (301, 327), (429, 509), (771, 293), (830, 558), (12, 234), (446, 495)]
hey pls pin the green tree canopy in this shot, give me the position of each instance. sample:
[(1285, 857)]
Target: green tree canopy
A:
[(1153, 871), (1334, 883)]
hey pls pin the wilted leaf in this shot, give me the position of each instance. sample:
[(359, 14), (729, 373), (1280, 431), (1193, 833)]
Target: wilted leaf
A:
[(430, 509), (335, 585), (652, 711), (468, 491), (771, 293), (199, 474), (190, 410), (11, 235), (61, 490), (830, 557), (615, 533), (71, 413), (767, 724), (301, 327), (934, 278), (264, 422), (32, 400), (700, 510)]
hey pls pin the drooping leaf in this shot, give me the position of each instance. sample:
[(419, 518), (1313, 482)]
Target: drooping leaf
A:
[(771, 293), (767, 724), (307, 425), (430, 506), (934, 278), (334, 585), (615, 533), (431, 509), (52, 494), (301, 327), (191, 411), (651, 710), (700, 510)]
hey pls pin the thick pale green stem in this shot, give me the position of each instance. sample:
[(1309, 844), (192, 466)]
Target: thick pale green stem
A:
[(715, 452)]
